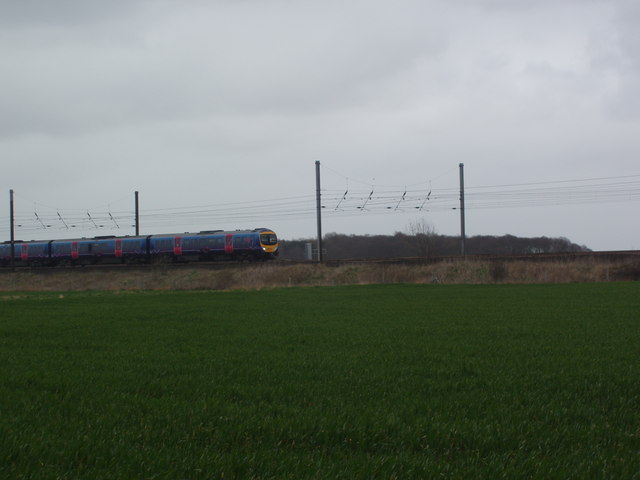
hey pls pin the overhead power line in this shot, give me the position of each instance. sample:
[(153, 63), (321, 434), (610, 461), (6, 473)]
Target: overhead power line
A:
[(336, 203)]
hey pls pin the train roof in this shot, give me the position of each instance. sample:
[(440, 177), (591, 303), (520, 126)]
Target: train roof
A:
[(212, 232), (133, 237), (8, 242), (81, 239), (102, 237)]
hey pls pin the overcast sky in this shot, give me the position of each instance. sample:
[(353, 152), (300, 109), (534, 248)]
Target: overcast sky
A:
[(215, 111)]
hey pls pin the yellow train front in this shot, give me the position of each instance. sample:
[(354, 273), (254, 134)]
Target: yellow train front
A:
[(269, 242)]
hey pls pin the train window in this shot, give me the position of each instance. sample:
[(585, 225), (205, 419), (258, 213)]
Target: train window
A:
[(241, 241), (63, 249), (133, 246), (268, 239), (107, 247)]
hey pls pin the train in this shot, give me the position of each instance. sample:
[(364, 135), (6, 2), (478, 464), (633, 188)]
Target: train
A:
[(210, 245)]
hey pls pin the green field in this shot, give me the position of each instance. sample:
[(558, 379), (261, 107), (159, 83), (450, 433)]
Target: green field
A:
[(396, 381)]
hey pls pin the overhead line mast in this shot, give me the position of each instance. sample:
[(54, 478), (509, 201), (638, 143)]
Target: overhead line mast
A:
[(12, 221), (319, 211), (462, 227), (137, 214)]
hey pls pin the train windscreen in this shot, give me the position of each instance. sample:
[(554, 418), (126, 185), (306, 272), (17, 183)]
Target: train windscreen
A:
[(268, 239)]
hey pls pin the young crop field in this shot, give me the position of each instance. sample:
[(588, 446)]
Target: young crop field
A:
[(388, 381)]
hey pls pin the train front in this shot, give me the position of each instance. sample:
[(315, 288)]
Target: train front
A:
[(269, 242)]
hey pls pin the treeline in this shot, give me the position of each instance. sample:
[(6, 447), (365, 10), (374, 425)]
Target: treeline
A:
[(339, 246)]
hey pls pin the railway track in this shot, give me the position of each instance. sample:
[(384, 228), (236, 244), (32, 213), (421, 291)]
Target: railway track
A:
[(615, 256)]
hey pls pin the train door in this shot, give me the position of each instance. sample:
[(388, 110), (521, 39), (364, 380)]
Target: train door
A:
[(74, 250), (118, 247), (24, 252), (177, 246), (228, 243)]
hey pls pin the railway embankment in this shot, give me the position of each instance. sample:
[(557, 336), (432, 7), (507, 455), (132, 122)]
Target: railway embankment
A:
[(292, 274)]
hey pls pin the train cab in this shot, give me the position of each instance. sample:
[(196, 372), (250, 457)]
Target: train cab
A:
[(269, 242)]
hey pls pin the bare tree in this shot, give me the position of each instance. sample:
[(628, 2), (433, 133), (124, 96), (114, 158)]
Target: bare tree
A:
[(424, 235)]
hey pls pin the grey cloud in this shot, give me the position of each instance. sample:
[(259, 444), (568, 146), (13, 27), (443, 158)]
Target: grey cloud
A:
[(63, 13), (242, 96), (209, 64), (618, 57)]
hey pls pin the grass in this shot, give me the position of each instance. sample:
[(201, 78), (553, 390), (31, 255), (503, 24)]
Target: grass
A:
[(397, 381), (270, 275)]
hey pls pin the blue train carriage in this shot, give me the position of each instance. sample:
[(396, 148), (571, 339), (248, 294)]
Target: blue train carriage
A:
[(5, 253), (106, 249), (25, 253), (71, 252), (260, 243), (257, 244), (112, 249)]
